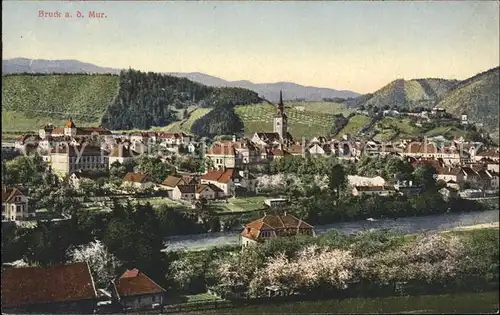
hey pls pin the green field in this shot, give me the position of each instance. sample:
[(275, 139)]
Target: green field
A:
[(457, 303), (242, 204), (13, 121), (322, 107), (355, 123), (185, 124), (43, 99), (259, 118)]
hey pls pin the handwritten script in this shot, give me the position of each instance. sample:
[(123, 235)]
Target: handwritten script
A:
[(68, 15)]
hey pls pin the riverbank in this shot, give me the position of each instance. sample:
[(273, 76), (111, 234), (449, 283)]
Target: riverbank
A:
[(483, 302), (406, 225)]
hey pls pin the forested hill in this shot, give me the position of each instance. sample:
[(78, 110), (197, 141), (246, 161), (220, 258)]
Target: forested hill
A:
[(406, 93), (131, 100), (150, 99), (478, 97)]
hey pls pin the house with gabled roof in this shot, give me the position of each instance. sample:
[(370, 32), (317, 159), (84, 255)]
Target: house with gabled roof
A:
[(173, 181), (15, 205), (65, 289), (224, 179), (184, 192), (137, 180), (208, 192), (134, 290), (271, 226)]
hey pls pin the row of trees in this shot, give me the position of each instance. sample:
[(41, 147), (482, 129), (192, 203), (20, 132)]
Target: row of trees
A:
[(334, 261)]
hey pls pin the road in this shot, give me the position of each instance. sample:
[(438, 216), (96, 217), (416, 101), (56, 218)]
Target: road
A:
[(408, 225)]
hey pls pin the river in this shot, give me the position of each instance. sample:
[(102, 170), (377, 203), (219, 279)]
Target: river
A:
[(406, 225)]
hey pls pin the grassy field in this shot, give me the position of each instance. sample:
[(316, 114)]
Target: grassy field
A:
[(354, 125), (447, 132), (484, 302), (185, 124), (259, 117), (53, 98), (203, 297), (240, 204), (17, 121), (322, 107)]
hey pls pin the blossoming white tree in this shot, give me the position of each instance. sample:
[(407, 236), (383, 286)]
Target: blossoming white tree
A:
[(102, 263)]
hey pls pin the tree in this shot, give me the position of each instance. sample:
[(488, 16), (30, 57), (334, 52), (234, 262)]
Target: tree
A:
[(102, 263), (155, 168), (337, 179), (426, 176), (134, 236)]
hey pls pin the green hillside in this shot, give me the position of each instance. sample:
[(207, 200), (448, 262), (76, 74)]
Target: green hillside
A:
[(321, 107), (29, 101), (132, 100), (409, 93), (355, 123), (185, 125), (259, 118), (478, 97)]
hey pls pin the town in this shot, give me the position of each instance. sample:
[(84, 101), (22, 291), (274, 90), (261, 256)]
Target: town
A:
[(92, 169), (257, 158)]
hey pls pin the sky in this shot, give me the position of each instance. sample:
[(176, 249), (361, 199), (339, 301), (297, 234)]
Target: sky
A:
[(358, 46)]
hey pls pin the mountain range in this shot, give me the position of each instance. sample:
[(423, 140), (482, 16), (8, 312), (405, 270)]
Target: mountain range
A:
[(269, 91), (477, 96)]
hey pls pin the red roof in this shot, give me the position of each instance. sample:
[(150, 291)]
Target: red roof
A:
[(222, 149), (136, 177), (281, 224), (34, 285), (221, 176), (134, 282)]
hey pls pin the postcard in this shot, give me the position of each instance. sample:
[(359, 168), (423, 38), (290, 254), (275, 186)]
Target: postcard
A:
[(250, 156)]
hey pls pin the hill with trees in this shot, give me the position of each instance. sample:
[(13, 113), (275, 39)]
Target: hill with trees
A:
[(478, 97), (131, 100), (406, 93)]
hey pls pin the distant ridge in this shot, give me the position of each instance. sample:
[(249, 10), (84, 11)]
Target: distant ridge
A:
[(21, 65), (268, 91)]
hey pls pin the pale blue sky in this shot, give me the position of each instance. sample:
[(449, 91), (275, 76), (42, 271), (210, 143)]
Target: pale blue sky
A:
[(358, 46)]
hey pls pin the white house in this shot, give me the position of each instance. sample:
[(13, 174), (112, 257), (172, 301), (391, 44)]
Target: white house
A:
[(222, 179), (184, 192), (208, 191), (15, 206)]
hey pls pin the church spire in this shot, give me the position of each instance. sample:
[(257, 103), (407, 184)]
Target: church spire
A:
[(281, 107)]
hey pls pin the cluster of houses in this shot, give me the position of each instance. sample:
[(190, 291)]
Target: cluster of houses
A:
[(71, 148), (215, 184), (70, 289)]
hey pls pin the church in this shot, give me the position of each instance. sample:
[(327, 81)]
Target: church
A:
[(280, 135)]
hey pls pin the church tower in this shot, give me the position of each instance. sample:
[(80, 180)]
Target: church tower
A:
[(70, 128), (281, 120)]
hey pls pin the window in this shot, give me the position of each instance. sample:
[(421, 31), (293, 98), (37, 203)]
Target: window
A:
[(139, 300), (153, 298)]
